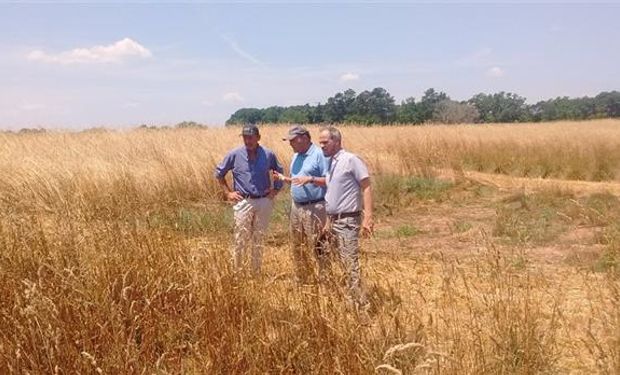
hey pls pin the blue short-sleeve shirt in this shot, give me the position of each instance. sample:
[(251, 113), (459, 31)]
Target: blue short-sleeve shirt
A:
[(310, 163)]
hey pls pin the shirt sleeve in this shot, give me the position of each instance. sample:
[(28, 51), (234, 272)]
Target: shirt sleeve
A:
[(225, 166), (360, 171), (276, 166)]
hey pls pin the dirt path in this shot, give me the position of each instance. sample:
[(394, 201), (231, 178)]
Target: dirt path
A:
[(504, 183)]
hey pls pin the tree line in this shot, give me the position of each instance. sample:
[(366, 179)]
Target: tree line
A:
[(379, 107)]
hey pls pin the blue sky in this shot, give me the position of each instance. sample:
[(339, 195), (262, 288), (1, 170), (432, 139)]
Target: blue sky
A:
[(78, 65)]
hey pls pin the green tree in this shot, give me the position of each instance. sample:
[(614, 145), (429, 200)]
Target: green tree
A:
[(608, 104), (189, 125), (296, 114), (245, 115), (452, 112), (271, 115), (501, 107), (408, 112), (429, 101), (373, 107), (339, 106)]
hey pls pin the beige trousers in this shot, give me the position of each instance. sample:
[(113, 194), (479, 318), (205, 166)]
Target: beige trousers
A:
[(345, 235), (307, 221), (251, 223)]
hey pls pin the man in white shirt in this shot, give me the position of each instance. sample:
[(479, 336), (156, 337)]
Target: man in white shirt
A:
[(349, 207)]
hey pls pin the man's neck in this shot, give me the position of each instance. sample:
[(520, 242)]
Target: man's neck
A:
[(252, 153), (304, 151)]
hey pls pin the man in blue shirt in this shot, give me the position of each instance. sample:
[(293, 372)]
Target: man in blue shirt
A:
[(251, 165), (308, 169)]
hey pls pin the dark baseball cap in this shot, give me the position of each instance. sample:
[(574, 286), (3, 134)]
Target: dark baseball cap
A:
[(250, 129), (294, 131)]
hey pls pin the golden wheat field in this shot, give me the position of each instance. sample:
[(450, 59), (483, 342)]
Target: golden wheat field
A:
[(496, 251)]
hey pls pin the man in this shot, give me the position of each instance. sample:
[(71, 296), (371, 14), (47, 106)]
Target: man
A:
[(349, 207), (251, 165), (308, 168)]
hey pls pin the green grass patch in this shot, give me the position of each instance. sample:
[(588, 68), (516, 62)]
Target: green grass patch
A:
[(461, 226), (393, 192), (193, 220), (530, 219), (401, 231), (428, 188), (609, 260), (406, 230)]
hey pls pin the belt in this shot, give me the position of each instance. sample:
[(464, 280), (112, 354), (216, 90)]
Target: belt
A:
[(345, 215), (252, 196), (310, 202)]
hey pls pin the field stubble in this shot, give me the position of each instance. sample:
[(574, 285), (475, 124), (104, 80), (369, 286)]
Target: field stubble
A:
[(114, 258)]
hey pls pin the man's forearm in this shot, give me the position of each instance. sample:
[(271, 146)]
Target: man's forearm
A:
[(319, 181), (224, 185), (367, 196)]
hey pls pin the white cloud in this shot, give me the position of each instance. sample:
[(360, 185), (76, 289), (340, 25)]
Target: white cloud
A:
[(113, 53), (495, 72), (232, 97), (241, 52), (349, 77)]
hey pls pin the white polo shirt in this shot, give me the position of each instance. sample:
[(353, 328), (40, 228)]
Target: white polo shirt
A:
[(346, 171)]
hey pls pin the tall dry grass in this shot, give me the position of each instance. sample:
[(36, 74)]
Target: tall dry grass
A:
[(114, 259)]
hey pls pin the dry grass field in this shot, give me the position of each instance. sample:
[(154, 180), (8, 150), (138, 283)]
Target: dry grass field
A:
[(496, 251)]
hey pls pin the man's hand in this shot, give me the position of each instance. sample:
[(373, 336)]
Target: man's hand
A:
[(301, 180), (234, 196), (368, 226), (326, 230), (277, 176)]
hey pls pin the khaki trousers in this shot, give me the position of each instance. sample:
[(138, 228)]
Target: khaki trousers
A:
[(307, 221), (251, 223), (345, 237)]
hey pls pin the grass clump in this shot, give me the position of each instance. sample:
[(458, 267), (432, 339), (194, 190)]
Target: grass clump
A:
[(428, 188), (532, 218)]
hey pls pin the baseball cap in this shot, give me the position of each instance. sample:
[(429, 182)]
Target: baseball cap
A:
[(294, 131), (250, 129)]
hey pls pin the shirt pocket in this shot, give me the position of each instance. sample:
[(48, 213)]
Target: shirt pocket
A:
[(242, 166)]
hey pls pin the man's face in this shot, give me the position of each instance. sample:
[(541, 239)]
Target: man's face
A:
[(251, 141), (328, 145), (300, 143)]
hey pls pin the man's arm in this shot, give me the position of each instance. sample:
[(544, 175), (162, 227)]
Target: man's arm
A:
[(220, 173), (276, 168), (367, 224), (302, 180), (316, 180), (279, 176), (230, 194)]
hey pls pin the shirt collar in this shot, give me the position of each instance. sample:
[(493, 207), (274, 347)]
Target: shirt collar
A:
[(308, 151), (247, 154), (338, 154)]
